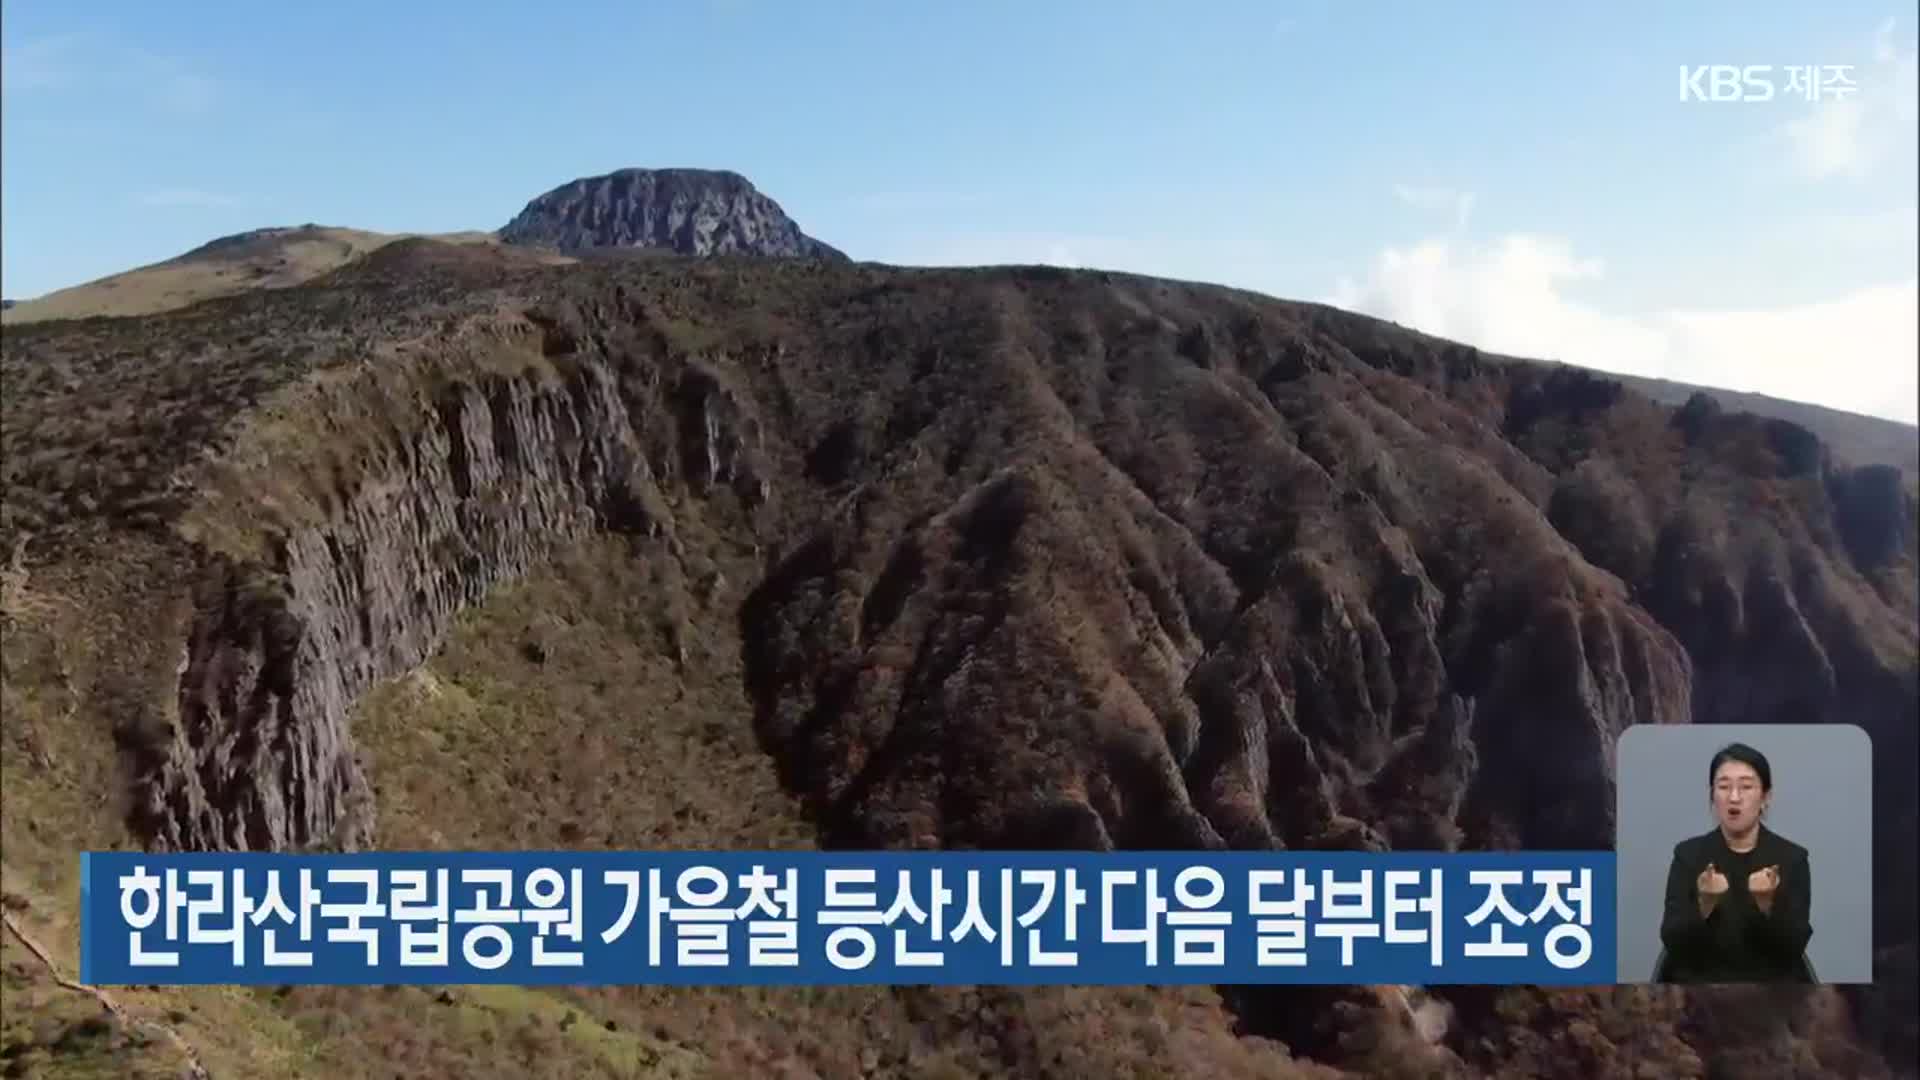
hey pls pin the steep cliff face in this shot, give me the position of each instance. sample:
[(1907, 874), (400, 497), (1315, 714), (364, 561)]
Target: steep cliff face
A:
[(492, 473), (686, 211), (1072, 560), (1264, 663)]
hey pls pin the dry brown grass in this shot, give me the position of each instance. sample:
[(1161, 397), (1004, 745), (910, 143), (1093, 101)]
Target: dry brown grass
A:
[(269, 259), (596, 738), (557, 716), (49, 1030), (1078, 459)]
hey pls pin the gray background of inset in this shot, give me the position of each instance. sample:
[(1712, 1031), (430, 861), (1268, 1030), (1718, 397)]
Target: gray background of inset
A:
[(1822, 800)]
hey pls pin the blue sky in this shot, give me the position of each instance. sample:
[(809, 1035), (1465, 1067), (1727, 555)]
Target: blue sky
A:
[(1519, 175)]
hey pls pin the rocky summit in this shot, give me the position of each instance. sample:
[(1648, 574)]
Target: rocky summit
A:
[(452, 547), (684, 211)]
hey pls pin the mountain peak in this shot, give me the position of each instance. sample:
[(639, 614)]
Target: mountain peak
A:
[(687, 211)]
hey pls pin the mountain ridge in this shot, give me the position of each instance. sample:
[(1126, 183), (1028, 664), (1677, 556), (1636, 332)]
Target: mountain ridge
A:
[(271, 257), (586, 217), (962, 557)]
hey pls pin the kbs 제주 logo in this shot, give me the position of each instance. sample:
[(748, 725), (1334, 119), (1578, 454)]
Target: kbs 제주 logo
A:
[(1765, 82)]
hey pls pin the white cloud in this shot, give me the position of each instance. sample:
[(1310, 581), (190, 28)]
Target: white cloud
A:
[(1857, 352), (1832, 141), (1852, 136), (187, 197)]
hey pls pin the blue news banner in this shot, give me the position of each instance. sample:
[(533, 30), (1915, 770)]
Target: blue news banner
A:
[(587, 918)]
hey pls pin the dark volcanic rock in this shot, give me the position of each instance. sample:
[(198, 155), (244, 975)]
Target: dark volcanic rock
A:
[(1046, 559), (1874, 512), (686, 211)]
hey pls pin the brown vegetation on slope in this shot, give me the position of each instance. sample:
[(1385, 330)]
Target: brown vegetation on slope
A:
[(991, 558), (1855, 439), (274, 258)]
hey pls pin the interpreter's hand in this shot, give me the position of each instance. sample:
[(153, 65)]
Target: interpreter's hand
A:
[(1712, 885), (1764, 884)]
